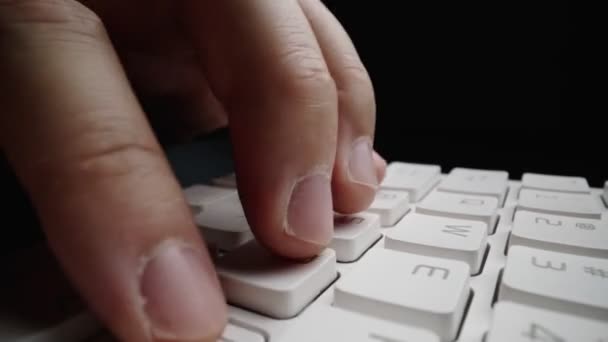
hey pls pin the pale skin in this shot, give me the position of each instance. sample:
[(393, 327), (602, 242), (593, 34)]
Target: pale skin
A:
[(283, 74)]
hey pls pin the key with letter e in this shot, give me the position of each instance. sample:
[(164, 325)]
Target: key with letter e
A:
[(429, 293)]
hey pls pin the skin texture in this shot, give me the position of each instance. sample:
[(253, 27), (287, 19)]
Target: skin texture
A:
[(283, 75)]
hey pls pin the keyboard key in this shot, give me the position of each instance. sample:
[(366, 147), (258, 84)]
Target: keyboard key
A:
[(228, 181), (562, 282), (535, 181), (465, 207), (560, 233), (440, 237), (354, 234), (390, 205), (416, 179), (255, 279), (429, 293), (202, 195), (477, 182), (235, 333), (223, 223), (606, 193), (327, 323), (518, 323), (577, 205)]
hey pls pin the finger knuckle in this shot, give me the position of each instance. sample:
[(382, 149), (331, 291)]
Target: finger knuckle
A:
[(355, 73), (355, 87), (115, 159), (63, 19), (306, 73), (101, 152), (111, 155)]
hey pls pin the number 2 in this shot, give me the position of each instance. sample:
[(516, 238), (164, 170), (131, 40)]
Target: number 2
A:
[(539, 333)]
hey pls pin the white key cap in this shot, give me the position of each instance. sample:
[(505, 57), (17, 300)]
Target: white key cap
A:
[(223, 223), (466, 207), (606, 193), (577, 205), (430, 293), (518, 323), (567, 184), (476, 182), (327, 323), (235, 333), (560, 233), (228, 181), (202, 195), (416, 179), (354, 234), (390, 205), (440, 237), (257, 280), (556, 281)]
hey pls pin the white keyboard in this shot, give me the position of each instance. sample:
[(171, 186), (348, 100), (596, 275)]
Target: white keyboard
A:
[(467, 256)]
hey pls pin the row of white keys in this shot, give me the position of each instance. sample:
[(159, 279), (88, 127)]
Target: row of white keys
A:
[(520, 323), (354, 234), (328, 323), (457, 206), (476, 182), (390, 205), (550, 202), (566, 184), (428, 293), (259, 281), (202, 195), (560, 233), (567, 283), (223, 223), (440, 237), (416, 179)]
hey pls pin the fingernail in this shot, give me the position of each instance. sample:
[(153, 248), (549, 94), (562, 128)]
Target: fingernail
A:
[(180, 300), (310, 210), (361, 164)]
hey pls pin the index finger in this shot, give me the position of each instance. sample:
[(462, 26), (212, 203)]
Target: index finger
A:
[(110, 206)]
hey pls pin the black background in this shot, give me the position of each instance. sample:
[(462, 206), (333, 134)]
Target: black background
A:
[(510, 85)]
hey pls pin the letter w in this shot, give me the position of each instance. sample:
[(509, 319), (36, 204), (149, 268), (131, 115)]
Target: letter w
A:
[(462, 231)]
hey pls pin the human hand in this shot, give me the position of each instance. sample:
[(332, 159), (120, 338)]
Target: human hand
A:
[(301, 111)]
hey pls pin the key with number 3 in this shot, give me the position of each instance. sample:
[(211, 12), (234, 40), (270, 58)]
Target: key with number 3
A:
[(562, 282)]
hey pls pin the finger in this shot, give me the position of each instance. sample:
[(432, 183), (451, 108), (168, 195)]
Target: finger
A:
[(380, 165), (113, 213), (264, 64), (354, 180)]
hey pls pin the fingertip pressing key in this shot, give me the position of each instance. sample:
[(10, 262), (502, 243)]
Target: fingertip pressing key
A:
[(361, 165), (309, 212)]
